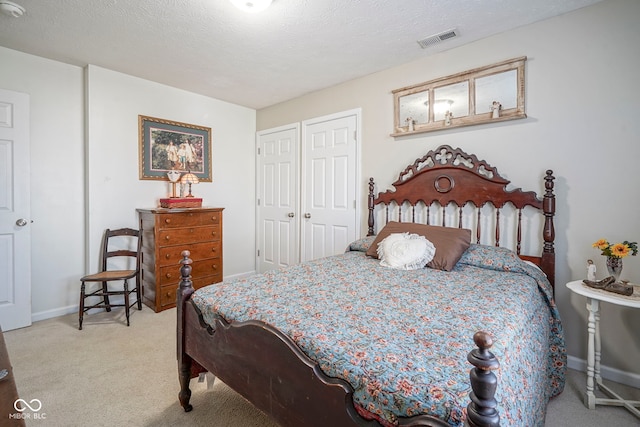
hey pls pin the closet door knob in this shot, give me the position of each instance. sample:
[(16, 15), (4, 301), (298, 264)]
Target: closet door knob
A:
[(291, 214), (307, 215)]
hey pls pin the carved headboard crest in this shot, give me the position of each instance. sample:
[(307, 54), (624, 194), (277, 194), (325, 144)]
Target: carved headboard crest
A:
[(450, 175), (445, 156)]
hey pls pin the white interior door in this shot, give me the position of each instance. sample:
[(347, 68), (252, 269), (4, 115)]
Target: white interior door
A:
[(15, 229), (329, 177), (278, 189)]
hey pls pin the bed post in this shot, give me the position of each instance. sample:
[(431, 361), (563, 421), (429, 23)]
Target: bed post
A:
[(370, 222), (481, 412), (184, 362), (548, 262)]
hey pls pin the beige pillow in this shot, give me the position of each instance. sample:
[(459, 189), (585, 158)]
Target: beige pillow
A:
[(450, 242)]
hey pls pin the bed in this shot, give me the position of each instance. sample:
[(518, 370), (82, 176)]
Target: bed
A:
[(349, 340)]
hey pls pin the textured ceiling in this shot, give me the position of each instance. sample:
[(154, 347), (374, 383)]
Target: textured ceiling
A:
[(256, 60)]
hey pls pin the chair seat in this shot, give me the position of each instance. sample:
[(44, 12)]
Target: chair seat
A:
[(109, 275), (117, 247)]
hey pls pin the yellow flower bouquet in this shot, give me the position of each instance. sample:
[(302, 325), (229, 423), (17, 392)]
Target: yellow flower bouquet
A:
[(617, 250), (615, 253)]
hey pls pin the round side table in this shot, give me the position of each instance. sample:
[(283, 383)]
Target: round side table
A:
[(594, 296)]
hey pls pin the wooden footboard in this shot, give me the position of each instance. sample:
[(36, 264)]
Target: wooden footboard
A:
[(268, 369)]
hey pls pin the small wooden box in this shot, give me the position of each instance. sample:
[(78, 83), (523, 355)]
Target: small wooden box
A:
[(181, 202)]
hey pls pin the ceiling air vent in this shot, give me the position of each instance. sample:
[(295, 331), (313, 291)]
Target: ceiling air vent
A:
[(437, 38)]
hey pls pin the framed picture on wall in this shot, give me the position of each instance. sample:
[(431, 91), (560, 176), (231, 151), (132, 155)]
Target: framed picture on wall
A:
[(166, 145)]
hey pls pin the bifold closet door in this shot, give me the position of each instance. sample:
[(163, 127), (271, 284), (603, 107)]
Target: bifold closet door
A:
[(329, 179), (307, 190), (278, 198)]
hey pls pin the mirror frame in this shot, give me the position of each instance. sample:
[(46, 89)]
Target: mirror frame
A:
[(518, 64)]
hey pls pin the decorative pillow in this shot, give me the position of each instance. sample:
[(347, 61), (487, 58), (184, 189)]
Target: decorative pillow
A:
[(361, 245), (500, 259), (450, 243), (405, 251), (534, 266)]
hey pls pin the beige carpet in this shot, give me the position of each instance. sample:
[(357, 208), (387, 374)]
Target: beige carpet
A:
[(110, 374)]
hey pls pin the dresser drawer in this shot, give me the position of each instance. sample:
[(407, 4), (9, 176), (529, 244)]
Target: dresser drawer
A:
[(172, 255), (168, 293), (189, 235), (170, 274), (166, 233), (187, 219)]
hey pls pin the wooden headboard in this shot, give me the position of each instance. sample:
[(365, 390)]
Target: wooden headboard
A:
[(447, 179)]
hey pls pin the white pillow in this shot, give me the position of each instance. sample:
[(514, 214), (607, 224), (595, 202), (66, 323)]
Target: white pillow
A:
[(405, 251)]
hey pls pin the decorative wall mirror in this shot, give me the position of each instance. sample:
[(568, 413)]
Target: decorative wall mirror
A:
[(487, 94)]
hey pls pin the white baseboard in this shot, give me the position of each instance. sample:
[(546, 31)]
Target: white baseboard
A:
[(63, 311), (56, 312), (612, 374), (239, 276)]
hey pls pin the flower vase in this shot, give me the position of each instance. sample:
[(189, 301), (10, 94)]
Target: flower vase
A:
[(614, 267)]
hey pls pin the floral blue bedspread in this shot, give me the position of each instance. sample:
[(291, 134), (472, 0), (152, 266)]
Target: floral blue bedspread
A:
[(401, 338)]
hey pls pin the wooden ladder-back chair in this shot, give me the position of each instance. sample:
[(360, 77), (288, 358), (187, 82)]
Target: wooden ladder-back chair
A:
[(116, 244)]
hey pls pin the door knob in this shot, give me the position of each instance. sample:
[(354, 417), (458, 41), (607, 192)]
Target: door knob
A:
[(307, 215), (291, 214), (21, 222)]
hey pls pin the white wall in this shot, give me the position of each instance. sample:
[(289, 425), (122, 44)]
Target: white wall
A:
[(114, 101), (78, 189), (582, 106), (57, 195)]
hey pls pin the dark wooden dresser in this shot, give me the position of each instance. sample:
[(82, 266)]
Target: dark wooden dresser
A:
[(165, 234), (9, 416)]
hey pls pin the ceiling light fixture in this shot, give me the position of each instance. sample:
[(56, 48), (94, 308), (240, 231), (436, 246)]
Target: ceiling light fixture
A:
[(251, 6), (11, 9)]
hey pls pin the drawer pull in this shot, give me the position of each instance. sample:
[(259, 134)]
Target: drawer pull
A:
[(168, 295), (213, 250), (214, 218), (191, 230), (167, 256), (214, 233), (214, 266), (167, 220), (166, 238), (168, 275)]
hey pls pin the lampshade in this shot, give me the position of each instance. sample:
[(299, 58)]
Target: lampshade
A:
[(189, 178), (174, 177), (251, 6)]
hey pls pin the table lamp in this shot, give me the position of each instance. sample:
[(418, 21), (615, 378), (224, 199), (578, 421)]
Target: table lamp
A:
[(174, 177), (189, 178)]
